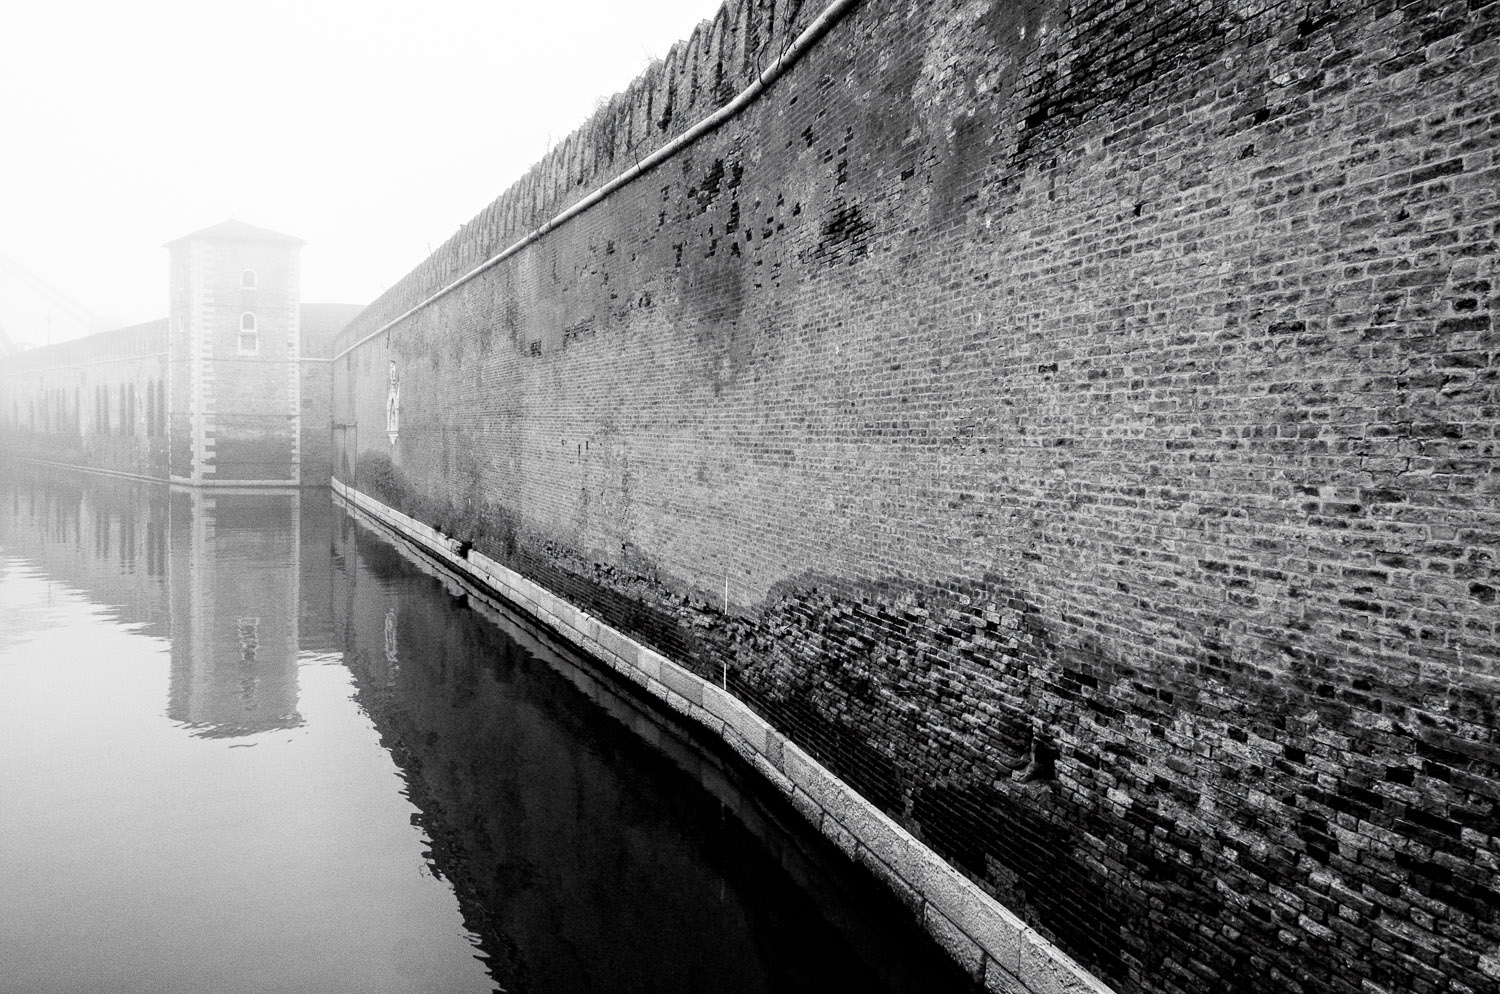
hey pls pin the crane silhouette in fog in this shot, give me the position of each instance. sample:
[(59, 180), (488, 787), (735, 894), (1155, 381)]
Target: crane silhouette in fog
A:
[(13, 273)]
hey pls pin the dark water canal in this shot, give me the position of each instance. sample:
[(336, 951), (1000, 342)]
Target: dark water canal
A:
[(247, 745)]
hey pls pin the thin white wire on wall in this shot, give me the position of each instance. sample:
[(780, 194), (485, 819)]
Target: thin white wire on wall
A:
[(809, 36)]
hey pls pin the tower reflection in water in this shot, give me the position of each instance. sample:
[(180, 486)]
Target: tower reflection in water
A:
[(235, 585), (216, 574), (192, 799)]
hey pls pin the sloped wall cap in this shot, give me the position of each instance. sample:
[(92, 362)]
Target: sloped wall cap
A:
[(238, 231)]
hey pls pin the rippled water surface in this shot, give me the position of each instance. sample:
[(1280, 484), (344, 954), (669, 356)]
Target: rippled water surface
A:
[(248, 745)]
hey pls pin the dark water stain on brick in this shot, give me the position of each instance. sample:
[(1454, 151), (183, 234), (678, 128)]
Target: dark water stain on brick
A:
[(1014, 27), (962, 159), (709, 308), (844, 236), (510, 310), (706, 191), (247, 456), (1102, 69), (983, 830)]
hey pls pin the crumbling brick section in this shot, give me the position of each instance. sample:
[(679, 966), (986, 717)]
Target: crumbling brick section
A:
[(1075, 425)]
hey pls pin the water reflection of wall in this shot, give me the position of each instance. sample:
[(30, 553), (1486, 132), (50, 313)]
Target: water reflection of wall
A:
[(218, 574), (591, 849), (102, 534)]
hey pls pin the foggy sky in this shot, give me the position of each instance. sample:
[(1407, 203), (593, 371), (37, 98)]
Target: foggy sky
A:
[(372, 130)]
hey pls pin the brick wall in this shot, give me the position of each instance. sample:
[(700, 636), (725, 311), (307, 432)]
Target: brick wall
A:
[(96, 402), (1074, 425), (320, 324)]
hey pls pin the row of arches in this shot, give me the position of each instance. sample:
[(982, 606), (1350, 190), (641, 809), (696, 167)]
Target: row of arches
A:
[(117, 409), (111, 409)]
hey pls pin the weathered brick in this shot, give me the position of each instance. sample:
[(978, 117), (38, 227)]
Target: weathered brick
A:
[(1081, 441)]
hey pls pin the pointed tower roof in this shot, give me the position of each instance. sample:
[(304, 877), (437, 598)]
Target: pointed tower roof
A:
[(237, 231)]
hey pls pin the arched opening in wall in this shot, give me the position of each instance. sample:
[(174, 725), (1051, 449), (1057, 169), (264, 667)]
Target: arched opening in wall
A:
[(150, 409), (247, 279), (129, 425), (249, 334), (161, 407)]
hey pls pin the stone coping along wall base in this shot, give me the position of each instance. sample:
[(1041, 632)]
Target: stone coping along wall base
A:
[(994, 946)]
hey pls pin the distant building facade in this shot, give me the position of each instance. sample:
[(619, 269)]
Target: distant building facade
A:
[(231, 389)]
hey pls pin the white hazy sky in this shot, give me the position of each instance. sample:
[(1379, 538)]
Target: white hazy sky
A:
[(370, 129)]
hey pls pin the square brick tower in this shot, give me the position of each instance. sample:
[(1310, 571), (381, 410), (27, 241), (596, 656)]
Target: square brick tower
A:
[(233, 341)]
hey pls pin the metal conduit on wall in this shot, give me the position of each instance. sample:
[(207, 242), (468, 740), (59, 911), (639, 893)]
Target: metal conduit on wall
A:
[(961, 916), (810, 35)]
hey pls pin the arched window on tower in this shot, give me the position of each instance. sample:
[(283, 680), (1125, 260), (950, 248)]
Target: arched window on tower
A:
[(247, 279), (249, 334)]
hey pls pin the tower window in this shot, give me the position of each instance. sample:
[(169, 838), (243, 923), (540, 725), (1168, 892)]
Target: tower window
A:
[(249, 335), (247, 279)]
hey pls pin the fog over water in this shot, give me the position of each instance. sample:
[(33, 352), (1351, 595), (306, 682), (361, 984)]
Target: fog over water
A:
[(371, 130)]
